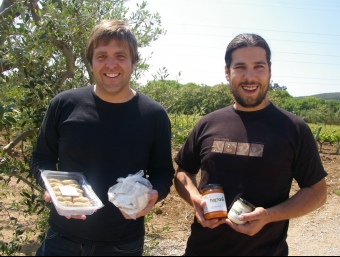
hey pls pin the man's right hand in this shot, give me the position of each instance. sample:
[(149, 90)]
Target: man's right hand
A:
[(198, 204), (47, 197)]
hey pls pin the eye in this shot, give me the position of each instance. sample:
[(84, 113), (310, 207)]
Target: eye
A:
[(101, 57), (121, 57), (259, 67)]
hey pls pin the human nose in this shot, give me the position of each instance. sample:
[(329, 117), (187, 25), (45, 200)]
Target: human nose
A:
[(111, 62), (249, 74)]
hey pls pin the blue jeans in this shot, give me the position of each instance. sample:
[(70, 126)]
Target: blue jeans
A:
[(55, 244)]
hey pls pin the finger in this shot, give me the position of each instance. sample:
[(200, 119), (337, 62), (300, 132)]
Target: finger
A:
[(47, 196), (77, 217)]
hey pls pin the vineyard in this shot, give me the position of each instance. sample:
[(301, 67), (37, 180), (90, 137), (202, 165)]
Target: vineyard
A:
[(35, 64), (20, 205), (182, 125), (326, 134)]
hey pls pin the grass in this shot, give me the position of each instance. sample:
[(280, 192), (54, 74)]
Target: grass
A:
[(337, 192)]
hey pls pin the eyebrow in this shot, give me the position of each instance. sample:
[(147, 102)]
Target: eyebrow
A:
[(259, 62), (116, 53)]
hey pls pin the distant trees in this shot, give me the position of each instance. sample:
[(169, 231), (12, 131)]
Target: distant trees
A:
[(42, 52), (189, 98), (276, 86), (192, 98)]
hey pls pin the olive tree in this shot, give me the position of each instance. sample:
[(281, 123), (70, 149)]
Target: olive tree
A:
[(42, 52)]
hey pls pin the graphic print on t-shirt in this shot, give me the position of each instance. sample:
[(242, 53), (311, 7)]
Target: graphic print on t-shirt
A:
[(238, 148)]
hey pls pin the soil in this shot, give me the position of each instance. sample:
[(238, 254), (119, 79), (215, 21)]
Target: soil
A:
[(315, 234)]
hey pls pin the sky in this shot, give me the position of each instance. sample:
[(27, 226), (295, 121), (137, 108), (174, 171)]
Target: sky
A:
[(304, 37)]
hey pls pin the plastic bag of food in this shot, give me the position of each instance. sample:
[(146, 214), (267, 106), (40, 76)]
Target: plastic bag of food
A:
[(130, 194)]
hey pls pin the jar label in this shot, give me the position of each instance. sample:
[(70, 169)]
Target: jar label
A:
[(237, 209), (214, 202), (233, 215)]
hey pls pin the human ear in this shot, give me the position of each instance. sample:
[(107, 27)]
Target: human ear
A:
[(226, 70), (133, 67)]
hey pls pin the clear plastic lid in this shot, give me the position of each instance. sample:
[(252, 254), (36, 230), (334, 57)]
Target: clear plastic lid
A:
[(79, 181)]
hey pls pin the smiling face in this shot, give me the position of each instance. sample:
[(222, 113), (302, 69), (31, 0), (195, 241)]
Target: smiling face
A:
[(112, 67), (249, 75)]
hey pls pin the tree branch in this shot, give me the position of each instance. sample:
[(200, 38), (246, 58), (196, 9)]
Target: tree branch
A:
[(26, 181), (67, 52), (19, 138)]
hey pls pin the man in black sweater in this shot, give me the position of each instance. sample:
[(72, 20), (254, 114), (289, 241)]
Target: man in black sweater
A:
[(106, 131)]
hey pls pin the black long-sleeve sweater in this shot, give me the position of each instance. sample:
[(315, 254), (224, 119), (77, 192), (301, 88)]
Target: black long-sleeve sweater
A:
[(104, 141)]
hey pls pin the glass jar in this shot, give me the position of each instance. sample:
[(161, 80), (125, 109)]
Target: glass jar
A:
[(215, 207), (240, 206)]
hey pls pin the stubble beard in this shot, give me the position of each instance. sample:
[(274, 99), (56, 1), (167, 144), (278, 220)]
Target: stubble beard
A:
[(250, 102), (113, 88)]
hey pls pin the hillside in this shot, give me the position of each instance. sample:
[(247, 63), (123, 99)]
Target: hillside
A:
[(327, 96)]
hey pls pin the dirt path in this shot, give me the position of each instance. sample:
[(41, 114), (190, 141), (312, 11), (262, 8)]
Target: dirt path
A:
[(316, 234)]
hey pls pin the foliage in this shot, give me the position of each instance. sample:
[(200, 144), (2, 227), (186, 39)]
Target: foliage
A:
[(328, 96), (163, 91), (192, 99), (326, 133), (42, 52), (189, 98), (14, 166), (276, 87), (182, 124), (310, 109), (337, 192), (151, 234)]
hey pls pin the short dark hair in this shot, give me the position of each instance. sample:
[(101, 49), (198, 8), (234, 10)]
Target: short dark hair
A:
[(246, 40), (112, 29)]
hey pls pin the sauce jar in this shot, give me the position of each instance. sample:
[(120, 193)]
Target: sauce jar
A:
[(215, 207), (240, 206)]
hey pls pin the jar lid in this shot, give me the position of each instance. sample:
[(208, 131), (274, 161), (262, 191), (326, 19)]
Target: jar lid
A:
[(246, 202), (212, 186)]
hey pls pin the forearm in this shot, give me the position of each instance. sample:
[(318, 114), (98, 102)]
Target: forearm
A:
[(186, 185), (304, 201), (162, 183)]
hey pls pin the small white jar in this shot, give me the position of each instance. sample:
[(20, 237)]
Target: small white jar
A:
[(240, 206)]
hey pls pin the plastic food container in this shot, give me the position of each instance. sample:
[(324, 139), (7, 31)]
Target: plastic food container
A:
[(70, 192)]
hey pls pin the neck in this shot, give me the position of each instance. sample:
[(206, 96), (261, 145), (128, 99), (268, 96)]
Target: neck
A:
[(261, 106), (115, 97)]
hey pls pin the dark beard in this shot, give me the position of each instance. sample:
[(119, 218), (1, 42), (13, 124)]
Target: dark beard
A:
[(249, 102)]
